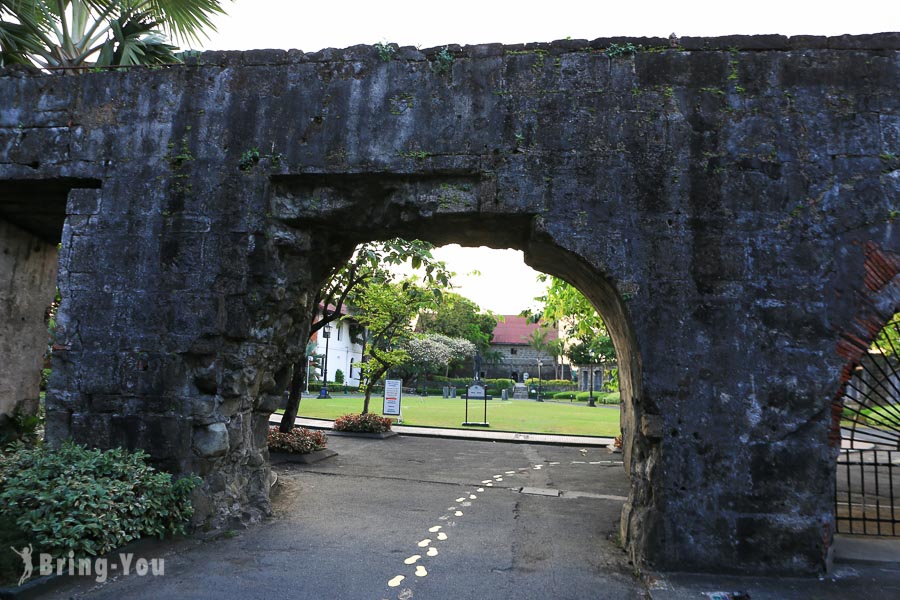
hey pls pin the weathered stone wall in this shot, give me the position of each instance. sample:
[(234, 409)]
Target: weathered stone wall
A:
[(27, 287), (523, 361), (714, 201)]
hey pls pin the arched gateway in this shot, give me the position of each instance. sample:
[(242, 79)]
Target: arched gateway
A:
[(717, 202)]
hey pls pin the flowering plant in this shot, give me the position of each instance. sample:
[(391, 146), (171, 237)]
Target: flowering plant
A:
[(298, 441), (367, 423)]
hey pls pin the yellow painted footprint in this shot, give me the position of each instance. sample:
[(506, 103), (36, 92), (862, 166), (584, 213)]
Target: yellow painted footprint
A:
[(420, 571), (442, 536), (425, 542), (432, 551), (412, 559), (396, 581), (435, 528)]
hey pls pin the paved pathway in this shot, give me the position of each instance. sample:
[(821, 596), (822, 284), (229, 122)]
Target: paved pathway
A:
[(426, 517), (416, 517)]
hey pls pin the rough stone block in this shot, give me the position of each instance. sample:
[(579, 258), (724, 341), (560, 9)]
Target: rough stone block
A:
[(211, 440)]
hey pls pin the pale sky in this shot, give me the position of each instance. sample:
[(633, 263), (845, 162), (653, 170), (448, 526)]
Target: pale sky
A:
[(506, 284)]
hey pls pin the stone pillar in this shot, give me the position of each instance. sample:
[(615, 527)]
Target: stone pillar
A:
[(27, 284)]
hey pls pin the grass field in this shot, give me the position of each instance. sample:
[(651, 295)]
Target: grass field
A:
[(528, 416)]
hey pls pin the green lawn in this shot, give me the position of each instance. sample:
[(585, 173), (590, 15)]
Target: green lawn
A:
[(528, 416)]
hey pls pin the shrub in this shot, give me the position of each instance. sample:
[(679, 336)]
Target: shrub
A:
[(45, 378), (90, 501), (564, 395), (298, 440), (367, 423), (339, 377)]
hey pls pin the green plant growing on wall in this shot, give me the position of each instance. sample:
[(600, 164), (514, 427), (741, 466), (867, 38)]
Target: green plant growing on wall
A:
[(385, 51), (248, 159), (443, 61), (617, 50), (178, 159)]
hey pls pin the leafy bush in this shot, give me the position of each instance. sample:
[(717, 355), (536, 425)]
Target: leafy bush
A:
[(90, 501), (564, 395), (45, 378), (625, 49), (298, 440), (339, 377), (367, 423)]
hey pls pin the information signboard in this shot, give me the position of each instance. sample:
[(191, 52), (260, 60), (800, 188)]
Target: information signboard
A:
[(392, 391)]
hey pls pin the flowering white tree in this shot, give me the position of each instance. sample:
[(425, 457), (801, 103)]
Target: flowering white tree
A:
[(433, 350)]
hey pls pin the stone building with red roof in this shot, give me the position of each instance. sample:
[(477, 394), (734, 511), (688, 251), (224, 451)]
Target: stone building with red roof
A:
[(510, 343)]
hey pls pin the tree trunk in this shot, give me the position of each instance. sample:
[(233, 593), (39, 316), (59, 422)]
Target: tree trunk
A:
[(373, 378), (293, 403)]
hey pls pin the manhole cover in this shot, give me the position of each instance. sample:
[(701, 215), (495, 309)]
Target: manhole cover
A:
[(539, 491)]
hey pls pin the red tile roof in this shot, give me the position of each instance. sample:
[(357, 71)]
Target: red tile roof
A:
[(516, 330)]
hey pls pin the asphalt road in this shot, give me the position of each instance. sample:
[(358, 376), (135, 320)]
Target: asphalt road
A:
[(413, 517)]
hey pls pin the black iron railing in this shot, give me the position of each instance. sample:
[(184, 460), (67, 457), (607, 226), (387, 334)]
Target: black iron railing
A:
[(867, 482)]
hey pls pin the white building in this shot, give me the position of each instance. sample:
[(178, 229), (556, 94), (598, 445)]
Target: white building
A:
[(344, 349)]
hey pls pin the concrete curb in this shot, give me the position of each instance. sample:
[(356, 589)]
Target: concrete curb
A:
[(278, 458), (361, 434), (482, 435)]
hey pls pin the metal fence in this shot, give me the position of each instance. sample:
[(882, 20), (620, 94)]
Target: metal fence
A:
[(866, 491), (867, 484)]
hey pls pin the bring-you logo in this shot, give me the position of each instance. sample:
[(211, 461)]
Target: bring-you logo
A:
[(98, 568)]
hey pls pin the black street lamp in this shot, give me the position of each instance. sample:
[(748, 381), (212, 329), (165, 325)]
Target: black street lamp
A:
[(591, 394), (326, 333), (540, 364)]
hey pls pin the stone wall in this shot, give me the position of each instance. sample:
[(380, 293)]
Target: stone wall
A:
[(718, 203), (27, 287), (523, 361)]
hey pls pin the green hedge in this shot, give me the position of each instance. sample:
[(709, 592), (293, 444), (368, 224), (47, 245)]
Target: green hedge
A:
[(332, 387), (552, 385), (564, 395), (497, 384), (599, 397)]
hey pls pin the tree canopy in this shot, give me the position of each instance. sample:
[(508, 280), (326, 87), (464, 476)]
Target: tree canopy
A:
[(563, 303), (369, 266), (54, 34), (458, 317), (387, 311)]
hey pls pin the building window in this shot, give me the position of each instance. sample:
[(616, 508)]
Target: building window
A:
[(513, 350), (340, 328)]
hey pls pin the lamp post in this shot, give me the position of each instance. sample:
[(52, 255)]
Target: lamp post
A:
[(326, 333), (540, 364), (309, 362), (591, 394)]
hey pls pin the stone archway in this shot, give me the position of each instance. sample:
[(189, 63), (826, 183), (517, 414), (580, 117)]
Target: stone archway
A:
[(445, 210), (698, 195)]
